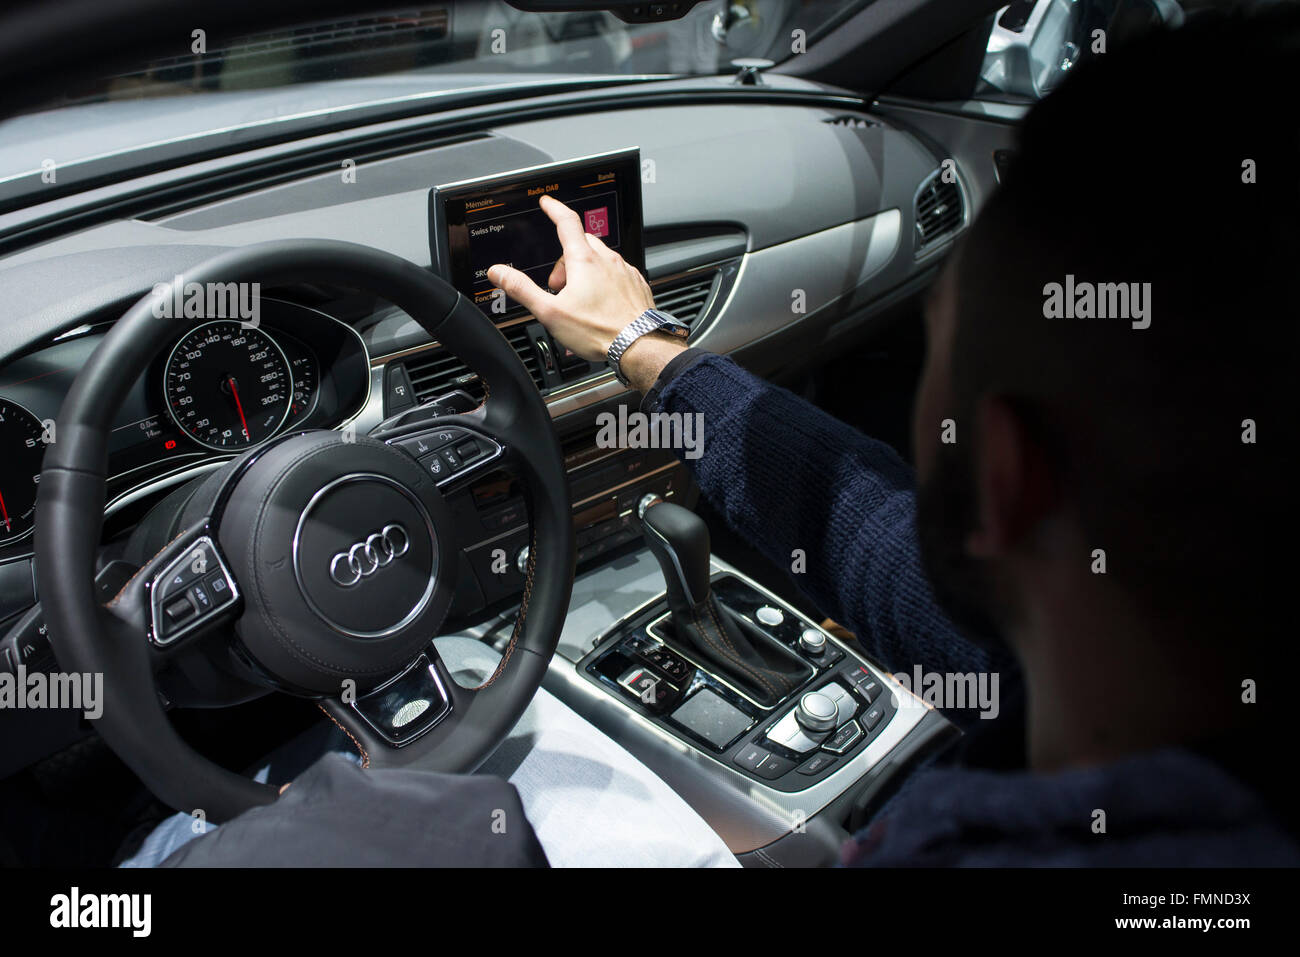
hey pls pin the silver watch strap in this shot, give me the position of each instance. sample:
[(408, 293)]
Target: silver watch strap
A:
[(633, 331)]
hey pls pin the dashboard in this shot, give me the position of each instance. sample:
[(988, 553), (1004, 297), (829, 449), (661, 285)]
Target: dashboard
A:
[(777, 222)]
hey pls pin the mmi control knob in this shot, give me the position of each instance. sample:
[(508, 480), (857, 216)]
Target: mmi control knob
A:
[(816, 712)]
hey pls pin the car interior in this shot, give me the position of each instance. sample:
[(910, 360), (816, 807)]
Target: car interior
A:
[(272, 428)]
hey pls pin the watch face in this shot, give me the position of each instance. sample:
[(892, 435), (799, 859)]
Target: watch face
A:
[(670, 324)]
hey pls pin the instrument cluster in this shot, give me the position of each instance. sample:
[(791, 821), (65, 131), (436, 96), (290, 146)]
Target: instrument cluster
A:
[(220, 388)]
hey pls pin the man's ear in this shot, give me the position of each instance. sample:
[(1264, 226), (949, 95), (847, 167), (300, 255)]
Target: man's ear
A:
[(1014, 484)]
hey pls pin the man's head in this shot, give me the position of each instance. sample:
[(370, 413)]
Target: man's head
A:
[(1115, 342)]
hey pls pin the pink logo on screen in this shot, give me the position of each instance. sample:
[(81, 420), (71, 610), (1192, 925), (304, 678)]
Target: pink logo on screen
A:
[(598, 221)]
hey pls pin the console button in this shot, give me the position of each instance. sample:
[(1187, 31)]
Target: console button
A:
[(869, 689), (773, 766), (671, 665), (829, 656), (813, 641), (641, 682), (649, 688), (817, 764), (769, 616), (843, 739), (873, 717), (845, 706), (750, 756)]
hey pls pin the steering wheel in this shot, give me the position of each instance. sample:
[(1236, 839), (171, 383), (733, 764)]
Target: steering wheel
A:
[(329, 562)]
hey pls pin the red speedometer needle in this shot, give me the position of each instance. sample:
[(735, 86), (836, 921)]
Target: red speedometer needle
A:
[(9, 526), (239, 407)]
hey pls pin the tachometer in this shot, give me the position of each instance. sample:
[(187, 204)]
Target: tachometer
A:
[(22, 446), (228, 387)]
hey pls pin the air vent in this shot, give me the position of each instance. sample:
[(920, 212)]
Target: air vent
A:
[(685, 296), (851, 121), (437, 371), (940, 210)]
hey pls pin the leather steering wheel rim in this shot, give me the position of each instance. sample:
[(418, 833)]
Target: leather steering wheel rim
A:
[(89, 637)]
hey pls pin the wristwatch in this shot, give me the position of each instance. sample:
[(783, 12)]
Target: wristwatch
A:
[(652, 320)]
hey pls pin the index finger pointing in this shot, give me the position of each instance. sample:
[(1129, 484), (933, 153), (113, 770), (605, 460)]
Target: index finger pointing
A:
[(569, 227)]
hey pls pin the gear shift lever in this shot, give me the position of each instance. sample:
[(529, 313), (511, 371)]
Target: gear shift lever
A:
[(679, 541)]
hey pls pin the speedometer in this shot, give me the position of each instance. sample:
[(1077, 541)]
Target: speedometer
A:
[(23, 439), (228, 387)]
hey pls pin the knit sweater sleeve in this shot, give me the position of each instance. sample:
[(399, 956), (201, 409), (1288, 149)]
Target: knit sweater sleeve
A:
[(810, 492)]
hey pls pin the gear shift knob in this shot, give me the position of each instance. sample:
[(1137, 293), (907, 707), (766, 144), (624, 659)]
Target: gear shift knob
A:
[(679, 541)]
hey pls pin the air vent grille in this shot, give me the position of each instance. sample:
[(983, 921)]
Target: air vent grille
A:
[(436, 371), (940, 210), (685, 296)]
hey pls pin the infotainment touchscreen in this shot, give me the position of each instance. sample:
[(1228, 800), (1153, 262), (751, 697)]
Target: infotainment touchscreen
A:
[(477, 223)]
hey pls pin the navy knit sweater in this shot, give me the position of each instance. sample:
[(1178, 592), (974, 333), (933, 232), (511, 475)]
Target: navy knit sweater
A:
[(787, 476)]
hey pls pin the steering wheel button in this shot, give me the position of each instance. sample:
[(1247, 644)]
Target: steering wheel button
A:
[(202, 600), (218, 588), (419, 446), (435, 466), (451, 458), (179, 610)]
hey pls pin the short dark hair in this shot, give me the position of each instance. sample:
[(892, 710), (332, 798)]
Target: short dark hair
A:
[(1174, 161)]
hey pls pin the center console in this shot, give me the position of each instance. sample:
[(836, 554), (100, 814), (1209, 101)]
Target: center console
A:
[(832, 716)]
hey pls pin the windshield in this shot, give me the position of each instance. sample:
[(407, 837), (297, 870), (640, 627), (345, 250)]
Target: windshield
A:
[(475, 42), (418, 58)]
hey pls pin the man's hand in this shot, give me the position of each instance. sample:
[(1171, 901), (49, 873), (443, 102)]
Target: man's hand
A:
[(596, 293)]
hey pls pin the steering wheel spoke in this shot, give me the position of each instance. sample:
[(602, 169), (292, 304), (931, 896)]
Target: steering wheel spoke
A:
[(185, 591), (407, 716), (453, 450)]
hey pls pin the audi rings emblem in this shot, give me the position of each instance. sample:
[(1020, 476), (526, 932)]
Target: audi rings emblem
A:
[(366, 557)]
